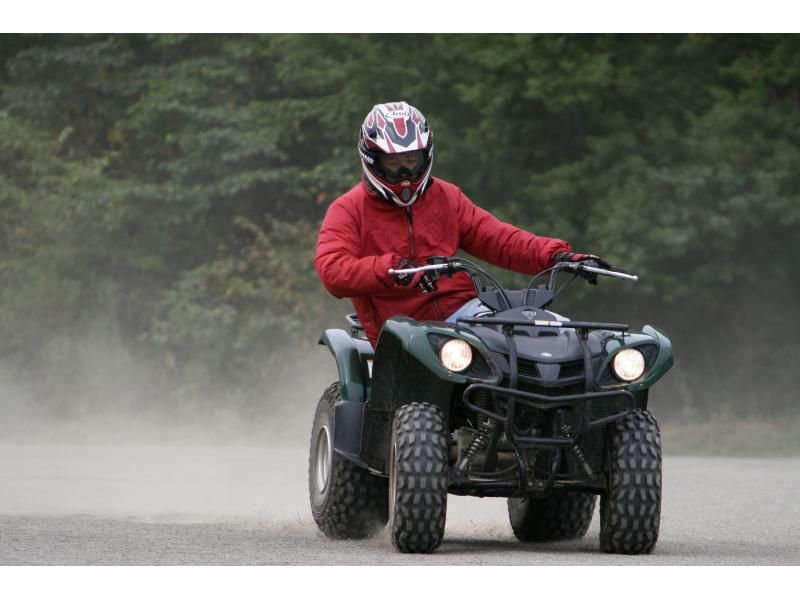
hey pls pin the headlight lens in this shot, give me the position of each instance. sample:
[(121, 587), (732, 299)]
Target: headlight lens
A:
[(628, 364), (456, 355)]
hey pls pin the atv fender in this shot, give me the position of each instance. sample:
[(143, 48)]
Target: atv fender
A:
[(408, 369), (663, 362), (350, 355), (652, 342)]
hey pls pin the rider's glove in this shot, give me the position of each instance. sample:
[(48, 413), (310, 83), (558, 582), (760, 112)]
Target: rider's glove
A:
[(586, 259), (422, 280), (566, 256)]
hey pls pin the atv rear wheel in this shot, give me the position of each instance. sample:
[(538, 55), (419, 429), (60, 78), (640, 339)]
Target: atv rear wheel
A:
[(630, 512), (560, 516), (347, 501), (418, 470)]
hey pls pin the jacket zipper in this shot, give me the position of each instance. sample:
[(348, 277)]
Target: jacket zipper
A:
[(410, 221)]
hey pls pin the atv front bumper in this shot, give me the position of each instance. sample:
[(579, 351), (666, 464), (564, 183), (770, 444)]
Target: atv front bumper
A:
[(513, 397), (508, 403)]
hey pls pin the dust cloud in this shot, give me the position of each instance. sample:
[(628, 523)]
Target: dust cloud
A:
[(101, 434), (106, 395), (118, 445), (136, 457)]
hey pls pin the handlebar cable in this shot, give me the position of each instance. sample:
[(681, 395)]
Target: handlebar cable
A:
[(534, 279), (563, 286), (491, 278)]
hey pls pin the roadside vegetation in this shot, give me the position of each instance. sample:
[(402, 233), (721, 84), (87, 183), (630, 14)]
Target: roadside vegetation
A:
[(160, 197)]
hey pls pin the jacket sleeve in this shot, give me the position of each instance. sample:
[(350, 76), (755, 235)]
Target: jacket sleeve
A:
[(502, 244), (343, 271)]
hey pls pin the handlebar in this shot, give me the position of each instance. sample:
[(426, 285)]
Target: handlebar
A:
[(448, 266), (576, 266), (452, 265)]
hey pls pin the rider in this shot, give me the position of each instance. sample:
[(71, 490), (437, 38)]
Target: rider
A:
[(398, 215)]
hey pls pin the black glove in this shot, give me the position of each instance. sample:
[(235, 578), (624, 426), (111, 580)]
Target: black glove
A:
[(567, 256), (422, 280), (587, 259)]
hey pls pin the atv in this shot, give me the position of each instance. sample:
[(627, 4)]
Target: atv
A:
[(516, 402)]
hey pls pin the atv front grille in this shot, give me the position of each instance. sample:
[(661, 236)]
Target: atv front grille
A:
[(528, 369), (570, 369)]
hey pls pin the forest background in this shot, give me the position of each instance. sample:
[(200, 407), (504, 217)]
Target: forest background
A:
[(160, 197)]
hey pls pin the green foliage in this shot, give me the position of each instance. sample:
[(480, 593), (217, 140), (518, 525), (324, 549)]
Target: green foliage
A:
[(174, 184), (44, 240), (221, 319)]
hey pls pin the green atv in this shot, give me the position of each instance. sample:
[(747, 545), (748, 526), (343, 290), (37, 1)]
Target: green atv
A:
[(515, 402)]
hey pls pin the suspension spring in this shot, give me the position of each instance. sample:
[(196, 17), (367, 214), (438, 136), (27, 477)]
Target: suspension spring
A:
[(480, 440), (566, 431)]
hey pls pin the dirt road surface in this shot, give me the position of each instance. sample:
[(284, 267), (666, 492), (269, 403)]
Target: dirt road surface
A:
[(235, 505)]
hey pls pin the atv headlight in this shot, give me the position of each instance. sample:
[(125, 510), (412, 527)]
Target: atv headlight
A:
[(456, 355), (628, 364)]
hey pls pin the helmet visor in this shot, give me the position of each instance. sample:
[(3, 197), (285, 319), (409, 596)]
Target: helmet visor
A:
[(405, 166)]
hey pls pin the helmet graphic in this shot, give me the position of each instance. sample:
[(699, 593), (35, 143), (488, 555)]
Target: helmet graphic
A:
[(396, 150)]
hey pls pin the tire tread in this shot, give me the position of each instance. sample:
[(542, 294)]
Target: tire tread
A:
[(560, 516), (357, 506), (630, 512), (421, 486)]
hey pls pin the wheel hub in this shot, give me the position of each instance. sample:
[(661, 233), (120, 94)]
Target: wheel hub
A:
[(324, 458), (392, 482)]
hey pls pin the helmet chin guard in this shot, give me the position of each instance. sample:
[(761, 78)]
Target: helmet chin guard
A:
[(395, 128), (403, 194)]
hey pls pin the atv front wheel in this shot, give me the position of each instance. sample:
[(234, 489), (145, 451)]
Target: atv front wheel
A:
[(560, 516), (418, 469), (346, 500), (630, 512)]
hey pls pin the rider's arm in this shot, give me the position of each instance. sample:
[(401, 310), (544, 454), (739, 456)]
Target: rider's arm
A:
[(343, 272), (502, 244)]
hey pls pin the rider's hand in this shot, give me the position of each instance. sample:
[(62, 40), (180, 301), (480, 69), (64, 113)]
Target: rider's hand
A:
[(587, 259), (566, 256), (422, 280)]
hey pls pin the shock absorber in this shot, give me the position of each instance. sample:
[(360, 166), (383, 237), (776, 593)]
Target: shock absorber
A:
[(486, 426), (566, 431)]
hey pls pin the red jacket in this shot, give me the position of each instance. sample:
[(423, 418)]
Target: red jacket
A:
[(362, 236)]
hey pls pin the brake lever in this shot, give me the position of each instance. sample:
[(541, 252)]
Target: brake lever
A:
[(615, 273)]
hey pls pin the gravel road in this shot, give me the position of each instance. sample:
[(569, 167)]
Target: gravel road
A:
[(211, 505)]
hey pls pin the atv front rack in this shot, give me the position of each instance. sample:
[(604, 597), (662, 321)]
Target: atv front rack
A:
[(489, 321)]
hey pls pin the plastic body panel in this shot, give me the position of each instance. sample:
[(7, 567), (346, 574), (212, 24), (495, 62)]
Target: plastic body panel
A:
[(350, 355)]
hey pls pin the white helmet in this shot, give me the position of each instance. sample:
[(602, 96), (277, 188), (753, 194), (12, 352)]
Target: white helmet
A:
[(396, 150)]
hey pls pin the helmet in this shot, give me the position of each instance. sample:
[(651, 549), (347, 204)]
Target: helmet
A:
[(396, 150)]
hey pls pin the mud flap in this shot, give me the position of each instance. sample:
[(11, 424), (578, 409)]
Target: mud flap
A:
[(347, 431), (348, 422)]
